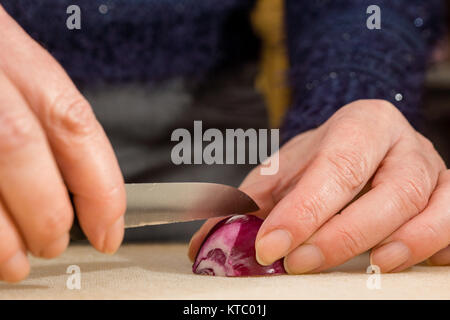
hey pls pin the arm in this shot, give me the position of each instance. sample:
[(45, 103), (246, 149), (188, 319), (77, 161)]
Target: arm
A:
[(335, 59), (365, 161)]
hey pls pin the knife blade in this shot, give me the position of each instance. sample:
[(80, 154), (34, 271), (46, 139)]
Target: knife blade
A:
[(162, 203)]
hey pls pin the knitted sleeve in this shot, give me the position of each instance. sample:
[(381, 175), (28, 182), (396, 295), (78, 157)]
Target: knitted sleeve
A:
[(335, 58), (138, 40)]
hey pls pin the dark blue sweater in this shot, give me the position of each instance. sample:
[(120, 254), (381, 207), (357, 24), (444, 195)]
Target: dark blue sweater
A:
[(334, 58)]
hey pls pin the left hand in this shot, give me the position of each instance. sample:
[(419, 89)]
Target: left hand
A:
[(363, 180)]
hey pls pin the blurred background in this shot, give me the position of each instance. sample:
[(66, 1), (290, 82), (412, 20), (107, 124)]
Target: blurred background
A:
[(437, 99), (140, 115), (230, 100)]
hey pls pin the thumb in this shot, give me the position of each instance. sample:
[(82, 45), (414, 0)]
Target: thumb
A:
[(268, 190)]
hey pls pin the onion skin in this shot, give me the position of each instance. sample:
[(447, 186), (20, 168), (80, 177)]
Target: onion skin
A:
[(229, 250)]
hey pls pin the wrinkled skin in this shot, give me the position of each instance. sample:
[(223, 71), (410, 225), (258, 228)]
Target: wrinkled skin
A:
[(229, 250), (49, 133), (363, 180)]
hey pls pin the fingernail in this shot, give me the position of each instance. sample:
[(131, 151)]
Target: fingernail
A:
[(273, 246), (56, 247), (390, 256), (190, 251), (114, 236), (305, 258), (194, 236), (16, 268)]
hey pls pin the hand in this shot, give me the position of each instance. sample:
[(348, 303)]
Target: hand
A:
[(50, 141), (364, 179)]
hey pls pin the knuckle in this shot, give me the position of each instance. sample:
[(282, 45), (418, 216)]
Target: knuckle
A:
[(412, 194), (431, 231), (52, 226), (71, 115), (352, 240), (350, 168), (16, 131), (433, 158), (382, 105), (381, 111), (426, 143), (374, 105), (308, 212), (350, 126)]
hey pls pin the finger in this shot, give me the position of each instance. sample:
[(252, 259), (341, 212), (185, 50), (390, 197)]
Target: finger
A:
[(348, 156), (267, 190), (400, 190), (423, 236), (81, 148), (30, 184), (441, 258), (14, 265)]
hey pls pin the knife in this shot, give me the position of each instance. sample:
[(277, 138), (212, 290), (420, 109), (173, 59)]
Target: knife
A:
[(163, 203)]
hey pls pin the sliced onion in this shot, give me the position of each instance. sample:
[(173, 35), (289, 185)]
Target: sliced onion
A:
[(229, 250)]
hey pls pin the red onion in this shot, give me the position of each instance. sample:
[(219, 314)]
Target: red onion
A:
[(229, 250)]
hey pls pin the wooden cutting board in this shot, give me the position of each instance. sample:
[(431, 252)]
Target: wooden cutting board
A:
[(163, 271)]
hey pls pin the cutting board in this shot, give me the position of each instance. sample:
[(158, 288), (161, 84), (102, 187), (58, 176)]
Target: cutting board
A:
[(163, 271)]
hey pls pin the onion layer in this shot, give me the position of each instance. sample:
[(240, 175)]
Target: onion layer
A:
[(229, 250)]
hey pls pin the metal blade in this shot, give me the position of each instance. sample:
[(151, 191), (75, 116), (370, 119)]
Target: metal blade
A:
[(161, 203)]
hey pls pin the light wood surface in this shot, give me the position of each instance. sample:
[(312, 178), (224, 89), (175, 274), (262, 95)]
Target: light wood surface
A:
[(151, 271)]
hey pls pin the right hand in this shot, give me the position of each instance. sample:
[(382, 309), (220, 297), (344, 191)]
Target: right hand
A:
[(50, 142)]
